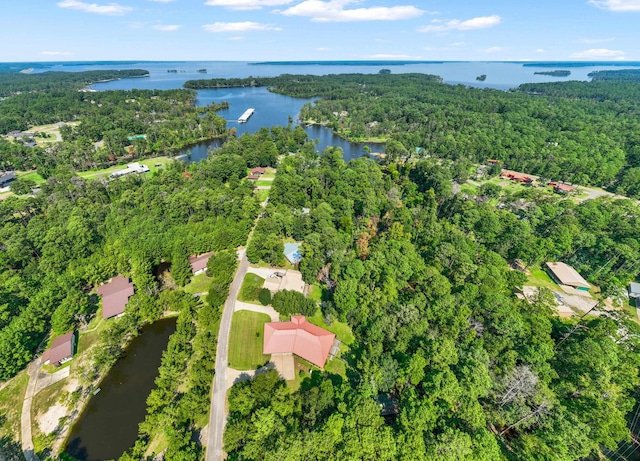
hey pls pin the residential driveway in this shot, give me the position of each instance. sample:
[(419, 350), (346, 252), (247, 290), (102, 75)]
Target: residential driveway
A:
[(218, 413), (270, 311), (27, 441), (265, 272)]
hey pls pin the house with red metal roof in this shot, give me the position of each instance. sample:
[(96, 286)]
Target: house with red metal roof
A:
[(298, 337), (198, 263), (115, 296), (258, 170), (61, 350)]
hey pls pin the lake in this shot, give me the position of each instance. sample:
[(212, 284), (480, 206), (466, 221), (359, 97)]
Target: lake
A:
[(109, 424), (273, 109)]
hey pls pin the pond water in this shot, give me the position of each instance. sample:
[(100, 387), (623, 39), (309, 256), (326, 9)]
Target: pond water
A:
[(109, 424)]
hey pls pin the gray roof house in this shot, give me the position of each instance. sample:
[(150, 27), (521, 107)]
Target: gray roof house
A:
[(6, 177), (292, 252)]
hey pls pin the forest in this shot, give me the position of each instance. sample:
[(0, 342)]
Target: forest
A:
[(418, 269), (422, 277), (577, 132)]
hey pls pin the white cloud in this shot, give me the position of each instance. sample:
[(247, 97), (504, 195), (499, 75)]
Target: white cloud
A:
[(112, 9), (246, 26), (56, 53), (237, 37), (540, 50), (322, 48), (334, 11), (598, 53), (493, 49), (617, 5), (167, 27), (590, 41), (246, 4), (481, 22)]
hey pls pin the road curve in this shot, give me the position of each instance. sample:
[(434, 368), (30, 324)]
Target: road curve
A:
[(217, 412)]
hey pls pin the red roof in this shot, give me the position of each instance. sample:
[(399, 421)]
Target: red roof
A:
[(253, 176), (564, 187), (199, 262), (299, 337), (258, 170), (61, 348), (115, 296)]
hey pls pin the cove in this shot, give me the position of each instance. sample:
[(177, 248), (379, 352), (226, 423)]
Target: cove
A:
[(109, 424)]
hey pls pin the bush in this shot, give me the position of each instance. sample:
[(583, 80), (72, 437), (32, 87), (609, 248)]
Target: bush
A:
[(288, 302), (264, 297)]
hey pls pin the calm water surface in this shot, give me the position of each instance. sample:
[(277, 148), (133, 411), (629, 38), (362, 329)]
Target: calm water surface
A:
[(109, 424)]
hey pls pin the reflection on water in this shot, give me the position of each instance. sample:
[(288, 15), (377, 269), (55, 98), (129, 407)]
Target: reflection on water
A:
[(109, 425)]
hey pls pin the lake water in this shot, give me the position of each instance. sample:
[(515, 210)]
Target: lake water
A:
[(109, 424), (273, 109)]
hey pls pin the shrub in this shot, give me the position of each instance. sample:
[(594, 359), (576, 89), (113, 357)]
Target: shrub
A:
[(264, 297)]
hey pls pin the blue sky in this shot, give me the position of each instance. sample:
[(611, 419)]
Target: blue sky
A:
[(255, 30)]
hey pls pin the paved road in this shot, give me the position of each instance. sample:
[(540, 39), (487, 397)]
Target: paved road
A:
[(217, 412), (27, 442)]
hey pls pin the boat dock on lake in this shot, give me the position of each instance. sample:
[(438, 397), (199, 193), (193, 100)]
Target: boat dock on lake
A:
[(247, 113)]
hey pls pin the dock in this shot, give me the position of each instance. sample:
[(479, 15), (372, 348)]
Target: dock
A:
[(247, 113)]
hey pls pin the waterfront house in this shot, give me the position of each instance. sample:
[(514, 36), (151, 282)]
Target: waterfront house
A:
[(61, 350), (115, 296)]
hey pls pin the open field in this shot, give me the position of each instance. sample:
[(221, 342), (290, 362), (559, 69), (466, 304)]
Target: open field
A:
[(245, 341), (32, 175), (150, 162), (251, 286)]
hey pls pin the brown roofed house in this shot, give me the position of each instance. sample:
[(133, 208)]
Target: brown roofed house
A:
[(253, 177), (115, 296), (299, 337), (198, 263), (258, 170), (61, 350)]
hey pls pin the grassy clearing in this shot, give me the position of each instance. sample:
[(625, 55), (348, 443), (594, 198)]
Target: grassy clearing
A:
[(261, 194), (251, 286), (150, 162), (245, 341), (199, 284), (341, 330), (539, 278), (11, 398), (32, 175), (337, 367), (263, 182), (269, 174)]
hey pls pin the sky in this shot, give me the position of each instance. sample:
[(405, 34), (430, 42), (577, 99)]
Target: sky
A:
[(293, 30)]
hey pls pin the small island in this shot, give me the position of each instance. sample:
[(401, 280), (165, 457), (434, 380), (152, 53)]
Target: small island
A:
[(481, 78), (202, 71), (384, 71), (554, 73)]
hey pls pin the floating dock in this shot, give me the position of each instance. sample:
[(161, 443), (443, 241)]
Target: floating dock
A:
[(247, 113)]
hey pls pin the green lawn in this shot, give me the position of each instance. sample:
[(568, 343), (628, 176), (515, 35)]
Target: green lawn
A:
[(263, 182), (150, 162), (251, 286), (199, 284), (262, 194), (269, 174), (341, 330), (245, 341), (539, 278), (11, 398), (32, 175)]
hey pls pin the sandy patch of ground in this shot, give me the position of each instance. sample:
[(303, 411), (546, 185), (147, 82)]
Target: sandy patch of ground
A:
[(48, 422)]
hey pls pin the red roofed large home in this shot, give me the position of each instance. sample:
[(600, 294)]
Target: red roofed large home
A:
[(115, 296), (299, 337), (258, 170), (61, 350)]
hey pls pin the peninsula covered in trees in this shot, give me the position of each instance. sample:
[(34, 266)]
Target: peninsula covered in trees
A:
[(554, 73), (578, 132)]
